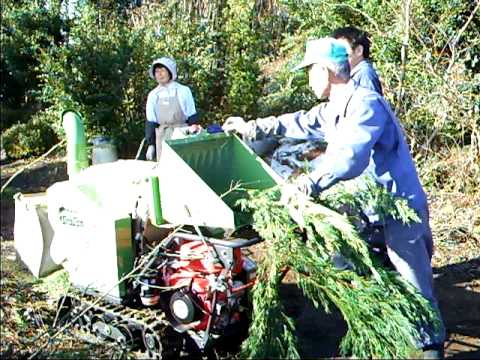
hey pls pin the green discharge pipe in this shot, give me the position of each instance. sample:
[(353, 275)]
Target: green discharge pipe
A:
[(77, 158), (158, 218)]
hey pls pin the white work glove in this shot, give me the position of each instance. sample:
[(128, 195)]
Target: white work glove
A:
[(150, 155), (235, 124), (295, 196), (292, 199), (305, 184)]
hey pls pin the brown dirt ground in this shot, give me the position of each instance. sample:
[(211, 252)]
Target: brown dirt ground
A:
[(456, 271)]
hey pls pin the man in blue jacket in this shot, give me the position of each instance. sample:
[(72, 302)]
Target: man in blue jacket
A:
[(364, 137), (357, 44)]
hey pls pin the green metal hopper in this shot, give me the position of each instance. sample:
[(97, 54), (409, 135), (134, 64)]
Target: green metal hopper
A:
[(202, 177)]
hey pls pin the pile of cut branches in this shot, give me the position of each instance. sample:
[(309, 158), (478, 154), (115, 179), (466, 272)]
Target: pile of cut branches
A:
[(382, 311)]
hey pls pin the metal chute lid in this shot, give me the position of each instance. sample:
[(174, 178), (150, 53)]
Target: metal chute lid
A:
[(197, 175)]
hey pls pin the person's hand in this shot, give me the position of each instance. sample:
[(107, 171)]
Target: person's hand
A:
[(150, 155), (194, 129), (235, 124), (305, 185), (289, 193), (290, 198), (302, 186)]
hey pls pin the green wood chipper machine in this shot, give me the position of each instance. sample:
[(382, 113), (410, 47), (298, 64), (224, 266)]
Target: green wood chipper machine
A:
[(154, 250)]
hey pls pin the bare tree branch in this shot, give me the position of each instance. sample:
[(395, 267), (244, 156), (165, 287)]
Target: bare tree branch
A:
[(61, 143), (404, 52), (455, 40)]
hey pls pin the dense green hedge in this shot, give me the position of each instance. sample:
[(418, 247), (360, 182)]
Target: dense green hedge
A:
[(27, 29), (236, 55), (31, 138)]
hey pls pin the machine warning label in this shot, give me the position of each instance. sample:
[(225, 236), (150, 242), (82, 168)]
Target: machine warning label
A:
[(69, 217)]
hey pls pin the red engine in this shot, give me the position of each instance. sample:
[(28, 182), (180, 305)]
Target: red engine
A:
[(209, 281)]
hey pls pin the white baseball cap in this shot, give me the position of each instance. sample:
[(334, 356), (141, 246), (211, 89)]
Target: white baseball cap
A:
[(323, 50)]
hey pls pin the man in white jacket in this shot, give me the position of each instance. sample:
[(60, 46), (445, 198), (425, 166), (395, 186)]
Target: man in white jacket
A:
[(169, 105)]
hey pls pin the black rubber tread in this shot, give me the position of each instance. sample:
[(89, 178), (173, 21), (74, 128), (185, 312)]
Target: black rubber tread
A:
[(138, 321)]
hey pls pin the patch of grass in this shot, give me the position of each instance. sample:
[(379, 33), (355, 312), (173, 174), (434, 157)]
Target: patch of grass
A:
[(455, 170), (13, 270), (56, 284), (72, 353), (21, 324)]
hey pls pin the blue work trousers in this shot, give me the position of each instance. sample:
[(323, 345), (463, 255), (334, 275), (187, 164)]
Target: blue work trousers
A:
[(410, 249)]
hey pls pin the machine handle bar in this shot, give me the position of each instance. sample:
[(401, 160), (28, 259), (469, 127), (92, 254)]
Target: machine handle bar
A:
[(234, 244)]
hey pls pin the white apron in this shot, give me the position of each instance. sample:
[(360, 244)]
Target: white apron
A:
[(171, 117)]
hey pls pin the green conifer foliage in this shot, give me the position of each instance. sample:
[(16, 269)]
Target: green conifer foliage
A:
[(382, 311)]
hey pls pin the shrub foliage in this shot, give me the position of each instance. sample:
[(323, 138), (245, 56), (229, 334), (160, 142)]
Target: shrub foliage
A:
[(236, 55)]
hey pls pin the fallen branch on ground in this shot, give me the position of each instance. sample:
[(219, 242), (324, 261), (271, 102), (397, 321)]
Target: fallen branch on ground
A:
[(53, 148)]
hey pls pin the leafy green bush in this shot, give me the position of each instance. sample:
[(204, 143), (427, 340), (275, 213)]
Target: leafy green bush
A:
[(27, 29), (103, 74), (195, 44), (12, 116), (242, 51), (32, 138), (217, 53), (236, 56), (96, 73), (434, 91)]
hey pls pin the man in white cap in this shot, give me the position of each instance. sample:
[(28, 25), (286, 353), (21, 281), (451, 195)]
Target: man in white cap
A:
[(169, 105), (364, 137)]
